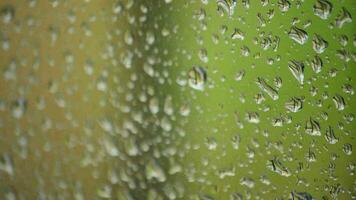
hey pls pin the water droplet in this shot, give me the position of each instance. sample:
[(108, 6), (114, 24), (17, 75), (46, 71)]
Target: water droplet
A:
[(295, 104), (203, 55), (319, 44), (301, 196), (322, 8), (339, 102), (227, 6), (154, 171), (19, 108), (283, 5), (197, 77), (238, 34), (312, 127), (7, 13), (317, 64), (347, 148), (343, 17), (297, 69), (277, 166), (330, 136), (261, 83), (298, 35), (253, 117)]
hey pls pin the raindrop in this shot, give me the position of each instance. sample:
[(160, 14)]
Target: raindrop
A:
[(197, 77)]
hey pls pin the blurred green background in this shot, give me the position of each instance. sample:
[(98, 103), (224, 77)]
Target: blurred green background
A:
[(95, 100)]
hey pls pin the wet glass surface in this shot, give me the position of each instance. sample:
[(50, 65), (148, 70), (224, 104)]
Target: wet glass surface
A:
[(173, 99)]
